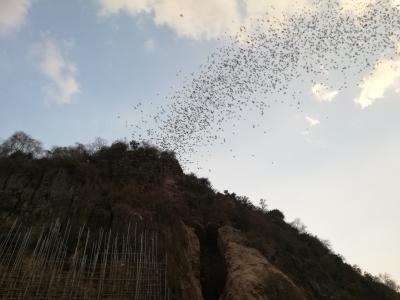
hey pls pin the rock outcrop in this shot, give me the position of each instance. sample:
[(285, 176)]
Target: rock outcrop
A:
[(190, 282), (249, 275)]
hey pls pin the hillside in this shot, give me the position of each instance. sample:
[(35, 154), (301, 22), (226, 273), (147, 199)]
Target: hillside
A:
[(219, 246)]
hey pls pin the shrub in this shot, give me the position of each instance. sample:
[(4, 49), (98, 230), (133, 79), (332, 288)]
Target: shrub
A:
[(276, 214)]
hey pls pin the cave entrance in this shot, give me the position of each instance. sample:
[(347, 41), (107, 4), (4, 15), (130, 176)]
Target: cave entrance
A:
[(213, 271)]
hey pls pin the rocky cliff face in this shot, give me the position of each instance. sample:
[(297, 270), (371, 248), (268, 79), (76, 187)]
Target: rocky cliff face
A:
[(219, 246), (191, 281), (250, 275)]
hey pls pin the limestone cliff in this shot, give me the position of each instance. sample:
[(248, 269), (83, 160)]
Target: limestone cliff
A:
[(250, 275)]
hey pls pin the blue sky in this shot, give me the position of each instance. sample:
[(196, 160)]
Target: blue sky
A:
[(116, 69), (68, 69)]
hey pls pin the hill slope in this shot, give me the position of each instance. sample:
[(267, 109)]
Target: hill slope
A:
[(219, 245)]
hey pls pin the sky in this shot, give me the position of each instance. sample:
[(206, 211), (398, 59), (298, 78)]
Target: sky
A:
[(72, 70)]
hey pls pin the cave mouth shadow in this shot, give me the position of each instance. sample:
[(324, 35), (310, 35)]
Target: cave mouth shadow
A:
[(213, 269)]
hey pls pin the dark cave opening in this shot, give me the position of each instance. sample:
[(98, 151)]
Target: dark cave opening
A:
[(213, 270)]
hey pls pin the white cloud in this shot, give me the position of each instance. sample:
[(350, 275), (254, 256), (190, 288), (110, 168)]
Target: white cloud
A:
[(322, 93), (355, 6), (150, 45), (205, 19), (257, 7), (359, 7), (12, 14), (192, 18), (384, 77), (61, 72), (312, 122)]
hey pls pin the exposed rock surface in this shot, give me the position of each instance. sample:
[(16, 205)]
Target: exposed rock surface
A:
[(190, 283), (249, 275)]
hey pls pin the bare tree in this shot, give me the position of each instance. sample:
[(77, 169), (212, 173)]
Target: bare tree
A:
[(387, 280), (263, 205), (299, 225), (20, 142), (97, 145)]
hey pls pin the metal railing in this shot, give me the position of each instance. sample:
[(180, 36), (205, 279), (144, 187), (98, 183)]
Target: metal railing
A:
[(62, 262)]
